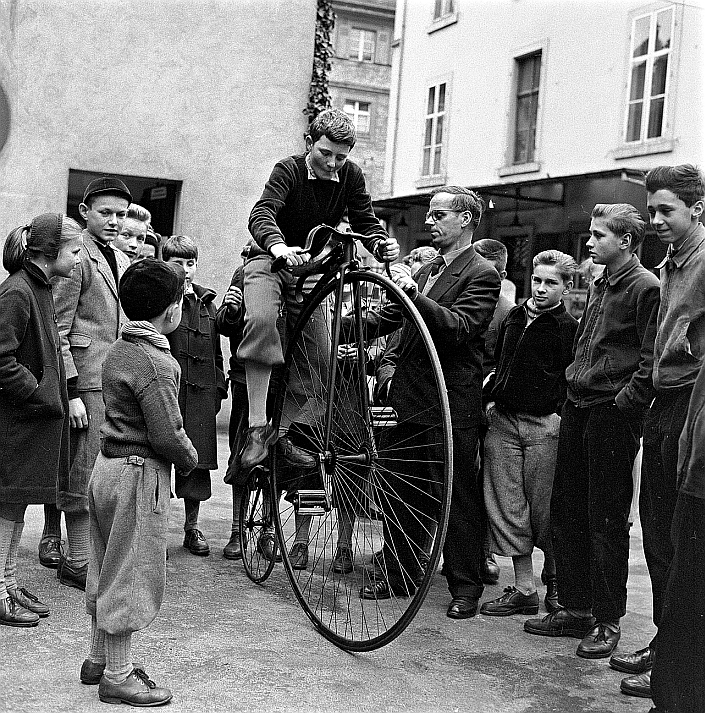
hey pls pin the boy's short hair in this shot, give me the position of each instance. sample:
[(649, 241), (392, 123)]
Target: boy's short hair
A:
[(149, 286), (179, 246), (622, 218), (137, 212), (424, 254), (685, 180), (565, 264), (494, 251), (464, 199), (334, 124)]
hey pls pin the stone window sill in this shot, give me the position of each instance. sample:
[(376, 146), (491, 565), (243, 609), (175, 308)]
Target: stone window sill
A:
[(643, 148), (515, 169)]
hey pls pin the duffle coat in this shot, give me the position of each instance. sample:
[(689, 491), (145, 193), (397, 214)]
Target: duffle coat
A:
[(34, 426), (196, 346)]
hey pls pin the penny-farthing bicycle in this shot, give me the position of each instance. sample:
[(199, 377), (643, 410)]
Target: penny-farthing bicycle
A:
[(376, 504)]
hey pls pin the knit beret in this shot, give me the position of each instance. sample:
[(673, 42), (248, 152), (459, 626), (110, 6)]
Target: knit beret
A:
[(149, 286), (107, 184), (45, 232)]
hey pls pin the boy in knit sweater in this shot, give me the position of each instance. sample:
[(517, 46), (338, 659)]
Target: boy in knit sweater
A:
[(128, 494), (302, 192)]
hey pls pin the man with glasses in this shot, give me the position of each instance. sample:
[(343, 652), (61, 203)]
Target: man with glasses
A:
[(456, 295)]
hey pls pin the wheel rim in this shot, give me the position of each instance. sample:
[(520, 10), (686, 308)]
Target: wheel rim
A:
[(354, 496), (255, 520)]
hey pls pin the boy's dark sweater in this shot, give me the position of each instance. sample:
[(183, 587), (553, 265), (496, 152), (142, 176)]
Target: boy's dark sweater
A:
[(531, 361), (292, 204)]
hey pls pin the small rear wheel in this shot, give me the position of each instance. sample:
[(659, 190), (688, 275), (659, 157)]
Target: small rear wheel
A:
[(362, 532), (257, 539)]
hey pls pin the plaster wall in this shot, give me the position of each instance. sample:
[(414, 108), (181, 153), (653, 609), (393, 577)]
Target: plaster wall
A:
[(583, 89)]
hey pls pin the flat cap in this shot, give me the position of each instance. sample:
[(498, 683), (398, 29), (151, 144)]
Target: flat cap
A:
[(107, 184)]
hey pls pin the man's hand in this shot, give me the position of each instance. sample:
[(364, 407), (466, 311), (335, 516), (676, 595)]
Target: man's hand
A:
[(78, 416), (232, 299), (408, 284), (294, 255), (388, 249)]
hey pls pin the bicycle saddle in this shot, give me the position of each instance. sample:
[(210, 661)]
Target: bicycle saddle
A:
[(323, 244)]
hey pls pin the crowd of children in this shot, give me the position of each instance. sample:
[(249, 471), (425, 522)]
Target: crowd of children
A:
[(111, 350)]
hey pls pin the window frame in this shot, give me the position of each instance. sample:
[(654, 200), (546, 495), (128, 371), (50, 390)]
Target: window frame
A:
[(357, 112), (435, 177), (359, 57), (534, 96)]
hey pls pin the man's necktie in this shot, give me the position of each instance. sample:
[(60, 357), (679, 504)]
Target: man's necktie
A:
[(436, 264)]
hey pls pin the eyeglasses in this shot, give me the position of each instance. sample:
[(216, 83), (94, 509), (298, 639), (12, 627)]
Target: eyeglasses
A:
[(437, 215)]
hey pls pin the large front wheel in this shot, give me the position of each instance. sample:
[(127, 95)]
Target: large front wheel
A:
[(361, 533)]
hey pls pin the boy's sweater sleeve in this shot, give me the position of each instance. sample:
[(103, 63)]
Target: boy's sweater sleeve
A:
[(165, 428), (263, 217)]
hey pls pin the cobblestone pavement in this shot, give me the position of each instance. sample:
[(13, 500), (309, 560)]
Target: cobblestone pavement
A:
[(222, 643)]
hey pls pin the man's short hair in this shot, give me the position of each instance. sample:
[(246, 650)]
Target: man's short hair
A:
[(149, 286), (105, 185), (179, 246), (464, 199), (494, 251), (622, 218), (334, 124), (565, 264), (685, 180), (137, 212)]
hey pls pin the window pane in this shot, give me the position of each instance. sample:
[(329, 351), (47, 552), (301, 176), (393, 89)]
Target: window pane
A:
[(438, 8), (655, 118), (636, 91), (441, 97), (658, 79), (525, 76), (368, 49), (450, 6), (641, 36), (439, 130), (429, 132), (426, 162), (663, 30), (354, 43), (520, 147), (634, 122), (437, 161), (526, 112), (431, 100)]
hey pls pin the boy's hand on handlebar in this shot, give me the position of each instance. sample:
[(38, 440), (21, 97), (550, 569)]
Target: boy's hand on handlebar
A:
[(293, 255), (388, 249), (232, 299)]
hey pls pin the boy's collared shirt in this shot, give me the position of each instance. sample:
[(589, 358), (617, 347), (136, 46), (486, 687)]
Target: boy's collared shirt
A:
[(680, 340), (311, 174)]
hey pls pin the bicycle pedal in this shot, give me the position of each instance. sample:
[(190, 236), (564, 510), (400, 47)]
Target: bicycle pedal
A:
[(383, 416), (313, 502)]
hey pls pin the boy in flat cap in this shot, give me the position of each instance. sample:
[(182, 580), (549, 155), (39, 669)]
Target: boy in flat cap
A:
[(142, 435), (89, 319)]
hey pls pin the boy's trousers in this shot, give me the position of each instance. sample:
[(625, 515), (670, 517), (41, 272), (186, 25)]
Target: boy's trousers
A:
[(129, 508), (592, 493)]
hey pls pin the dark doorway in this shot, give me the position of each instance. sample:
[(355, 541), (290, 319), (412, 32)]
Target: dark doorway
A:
[(158, 195)]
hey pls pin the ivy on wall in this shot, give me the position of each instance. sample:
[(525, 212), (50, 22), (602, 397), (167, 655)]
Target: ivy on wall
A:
[(318, 93)]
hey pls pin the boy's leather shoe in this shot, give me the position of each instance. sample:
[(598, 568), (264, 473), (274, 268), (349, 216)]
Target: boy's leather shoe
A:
[(298, 556), (293, 456), (512, 602), (638, 662), (233, 551), (639, 685), (91, 672), (490, 571), (137, 690), (599, 643), (28, 601), (71, 576), (462, 608), (343, 561), (376, 586), (257, 442), (265, 546), (551, 598), (560, 623), (50, 551), (196, 543), (12, 614)]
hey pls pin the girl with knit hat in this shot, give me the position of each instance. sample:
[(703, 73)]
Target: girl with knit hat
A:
[(128, 491), (34, 430)]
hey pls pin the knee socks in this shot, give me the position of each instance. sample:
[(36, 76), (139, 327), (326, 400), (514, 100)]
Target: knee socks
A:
[(524, 574), (302, 523), (191, 508), (11, 562), (118, 657), (78, 536), (52, 521), (257, 376), (346, 523), (237, 500), (96, 653), (7, 528)]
